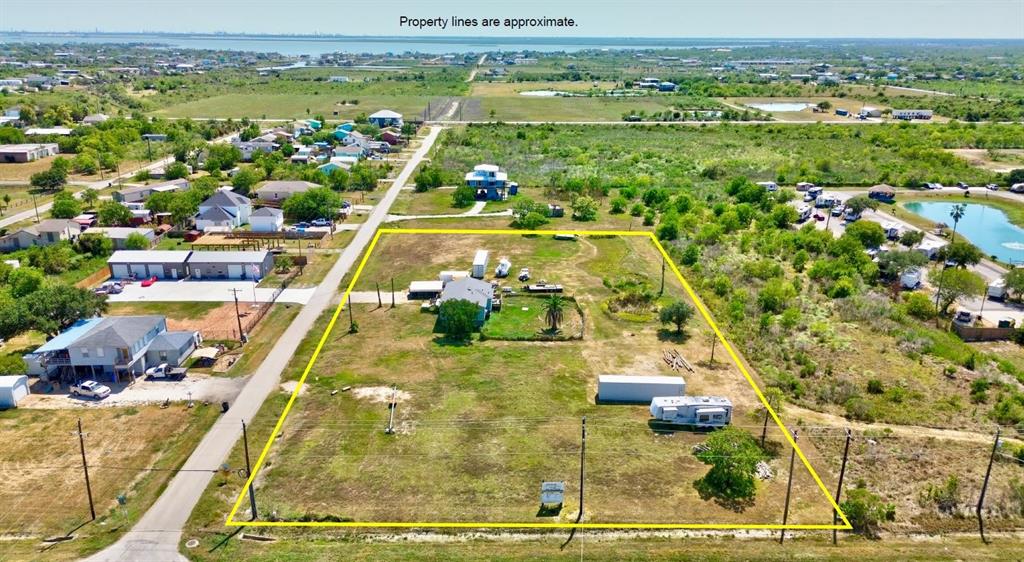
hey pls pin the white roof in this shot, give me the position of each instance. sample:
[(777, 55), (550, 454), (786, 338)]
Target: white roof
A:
[(386, 114), (691, 401), (251, 256), (10, 381), (640, 379), (425, 287), (149, 256), (480, 258), (118, 231), (928, 244), (486, 167)]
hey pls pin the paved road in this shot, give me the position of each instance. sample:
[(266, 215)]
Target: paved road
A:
[(157, 534)]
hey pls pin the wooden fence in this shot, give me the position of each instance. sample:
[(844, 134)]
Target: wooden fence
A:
[(972, 333)]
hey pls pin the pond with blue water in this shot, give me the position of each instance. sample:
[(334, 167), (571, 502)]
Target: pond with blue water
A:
[(986, 227)]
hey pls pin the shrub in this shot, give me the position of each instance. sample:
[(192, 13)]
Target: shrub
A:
[(875, 387), (866, 511), (919, 306)]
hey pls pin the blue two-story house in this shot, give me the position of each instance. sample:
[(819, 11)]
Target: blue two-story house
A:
[(110, 349), (491, 183)]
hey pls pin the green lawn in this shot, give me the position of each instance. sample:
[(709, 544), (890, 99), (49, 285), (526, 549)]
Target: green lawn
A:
[(172, 310), (294, 106)]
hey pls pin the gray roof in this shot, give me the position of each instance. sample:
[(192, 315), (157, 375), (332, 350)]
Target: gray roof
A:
[(217, 213), (267, 212), (289, 186), (119, 331), (254, 256), (149, 256), (172, 341), (225, 198), (56, 225), (470, 289)]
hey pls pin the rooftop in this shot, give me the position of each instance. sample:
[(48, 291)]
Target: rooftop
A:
[(149, 256), (251, 256), (468, 288)]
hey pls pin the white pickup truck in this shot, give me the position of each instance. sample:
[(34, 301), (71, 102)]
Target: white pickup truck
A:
[(90, 389), (165, 371)]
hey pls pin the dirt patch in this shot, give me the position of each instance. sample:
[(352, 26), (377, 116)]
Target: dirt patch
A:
[(380, 394), (289, 387)]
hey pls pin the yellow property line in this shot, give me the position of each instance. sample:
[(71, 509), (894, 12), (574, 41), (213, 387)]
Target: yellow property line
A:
[(231, 522)]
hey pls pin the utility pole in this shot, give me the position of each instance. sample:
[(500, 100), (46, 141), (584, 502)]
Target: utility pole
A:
[(839, 488), (238, 316), (392, 292), (393, 405), (714, 341), (789, 490), (351, 320), (380, 303), (662, 290), (85, 469), (984, 487), (34, 206), (764, 430), (248, 472), (583, 457)]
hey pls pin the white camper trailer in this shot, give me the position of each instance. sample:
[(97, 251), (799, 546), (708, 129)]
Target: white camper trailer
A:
[(997, 290), (700, 411), (480, 264), (769, 185), (503, 268), (911, 279), (803, 213), (637, 389)]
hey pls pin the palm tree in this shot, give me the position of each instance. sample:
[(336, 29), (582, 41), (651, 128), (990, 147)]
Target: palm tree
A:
[(957, 213), (553, 308)]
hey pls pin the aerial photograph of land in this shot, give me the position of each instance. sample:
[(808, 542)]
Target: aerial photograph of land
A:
[(695, 280)]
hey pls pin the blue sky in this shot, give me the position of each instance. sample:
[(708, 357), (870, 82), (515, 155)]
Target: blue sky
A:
[(595, 18)]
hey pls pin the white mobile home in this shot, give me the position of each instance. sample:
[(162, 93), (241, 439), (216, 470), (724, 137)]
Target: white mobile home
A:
[(803, 213), (700, 411), (769, 185), (638, 389)]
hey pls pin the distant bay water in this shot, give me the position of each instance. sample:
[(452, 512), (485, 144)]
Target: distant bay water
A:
[(295, 45)]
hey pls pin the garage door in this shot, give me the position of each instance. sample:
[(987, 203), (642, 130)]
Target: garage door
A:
[(139, 269), (156, 270), (119, 270), (235, 271)]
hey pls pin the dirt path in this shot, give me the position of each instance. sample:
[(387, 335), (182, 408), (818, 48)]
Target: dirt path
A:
[(914, 431)]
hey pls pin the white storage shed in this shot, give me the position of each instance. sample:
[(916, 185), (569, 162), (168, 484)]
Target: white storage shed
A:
[(637, 389), (12, 389), (480, 264)]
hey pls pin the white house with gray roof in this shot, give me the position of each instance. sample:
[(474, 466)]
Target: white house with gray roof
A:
[(267, 219), (110, 348), (47, 232), (224, 208)]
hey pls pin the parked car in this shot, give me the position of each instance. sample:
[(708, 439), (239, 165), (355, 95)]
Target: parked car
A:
[(90, 389), (819, 217), (109, 288), (165, 371), (524, 274), (148, 282), (301, 225), (320, 222), (838, 210), (992, 187), (962, 185), (963, 317)]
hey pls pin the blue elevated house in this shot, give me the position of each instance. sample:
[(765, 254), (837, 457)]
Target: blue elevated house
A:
[(386, 118), (491, 183)]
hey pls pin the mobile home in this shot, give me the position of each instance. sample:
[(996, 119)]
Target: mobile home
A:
[(700, 411)]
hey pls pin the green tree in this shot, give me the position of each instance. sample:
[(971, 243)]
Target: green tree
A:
[(733, 455), (775, 296), (65, 206), (957, 213), (316, 203), (175, 170), (89, 197), (532, 221), (869, 234), (339, 180), (112, 213), (1015, 281), (866, 511), (24, 281), (458, 318), (957, 283), (463, 196), (244, 181), (584, 208), (13, 365), (892, 265), (861, 203), (961, 253), (95, 245), (618, 205), (55, 307), (911, 238), (136, 241), (554, 311), (678, 314), (430, 177)]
